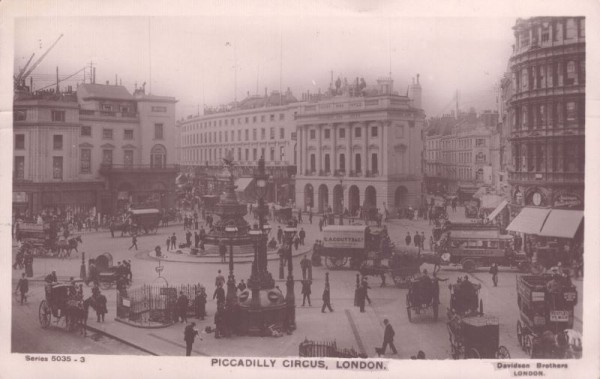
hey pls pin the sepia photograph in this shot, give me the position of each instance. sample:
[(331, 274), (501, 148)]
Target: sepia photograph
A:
[(337, 188)]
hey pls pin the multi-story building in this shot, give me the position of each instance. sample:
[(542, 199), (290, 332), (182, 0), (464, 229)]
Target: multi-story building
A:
[(459, 154), (362, 151), (94, 150), (546, 121), (256, 126)]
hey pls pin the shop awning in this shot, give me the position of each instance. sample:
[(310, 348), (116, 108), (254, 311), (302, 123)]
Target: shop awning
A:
[(497, 211), (562, 223), (242, 183), (529, 221)]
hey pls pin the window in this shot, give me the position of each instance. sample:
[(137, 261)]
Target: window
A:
[(246, 134), (158, 156), (159, 109), (545, 34), (19, 141), (58, 116), (158, 131), (232, 135), (281, 116), (400, 131), (571, 74), (571, 28), (357, 132), (254, 152), (246, 120), (106, 107), (107, 133), (357, 163), (281, 133), (262, 118), (128, 158), (247, 154), (263, 133), (313, 163), (327, 133), (327, 163), (220, 136), (19, 115), (57, 167), (272, 133), (57, 142), (374, 131), (479, 142), (86, 161), (342, 162), (19, 169), (524, 79), (128, 134), (253, 134), (272, 117), (312, 134), (374, 163), (262, 153), (253, 119), (272, 154), (342, 133), (107, 156), (86, 131), (281, 153), (571, 113), (239, 153), (239, 135)]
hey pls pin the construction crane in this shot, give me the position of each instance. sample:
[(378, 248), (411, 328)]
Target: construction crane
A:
[(19, 77), (23, 76)]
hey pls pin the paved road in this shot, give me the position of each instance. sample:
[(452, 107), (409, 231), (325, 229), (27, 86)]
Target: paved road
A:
[(29, 337), (350, 328)]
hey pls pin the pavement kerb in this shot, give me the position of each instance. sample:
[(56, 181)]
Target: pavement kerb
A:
[(273, 257), (126, 342)]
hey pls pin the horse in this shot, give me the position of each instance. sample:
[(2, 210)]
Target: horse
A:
[(124, 228), (76, 315), (65, 247)]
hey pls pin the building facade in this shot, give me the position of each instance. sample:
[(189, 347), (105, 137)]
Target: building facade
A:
[(459, 156), (360, 151), (546, 113), (243, 132), (99, 150)]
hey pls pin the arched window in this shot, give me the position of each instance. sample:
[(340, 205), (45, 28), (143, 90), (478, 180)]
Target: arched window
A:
[(158, 156)]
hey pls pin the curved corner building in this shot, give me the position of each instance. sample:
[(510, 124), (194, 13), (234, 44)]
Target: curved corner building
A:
[(546, 121)]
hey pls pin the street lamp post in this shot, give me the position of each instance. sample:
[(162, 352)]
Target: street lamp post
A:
[(231, 289), (290, 298)]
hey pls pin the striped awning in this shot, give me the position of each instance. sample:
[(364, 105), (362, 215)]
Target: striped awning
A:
[(529, 220), (562, 223)]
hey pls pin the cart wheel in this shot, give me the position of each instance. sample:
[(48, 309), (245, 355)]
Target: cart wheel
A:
[(436, 308), (472, 353), (502, 353), (45, 314), (520, 333), (408, 308), (105, 285)]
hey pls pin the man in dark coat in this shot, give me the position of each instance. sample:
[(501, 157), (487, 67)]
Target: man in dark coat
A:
[(219, 295), (182, 306), (494, 272), (279, 234), (101, 309), (189, 335), (306, 266), (196, 239), (168, 243), (200, 303), (223, 251), (417, 240), (23, 286), (188, 238), (326, 299), (133, 242), (407, 239), (302, 235), (306, 292), (388, 337), (173, 242)]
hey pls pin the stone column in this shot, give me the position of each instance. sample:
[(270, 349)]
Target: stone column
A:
[(365, 160), (383, 148), (334, 149), (349, 157), (319, 149), (300, 150)]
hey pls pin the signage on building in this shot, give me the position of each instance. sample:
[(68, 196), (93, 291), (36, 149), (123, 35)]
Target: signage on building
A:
[(20, 197), (344, 239), (567, 200)]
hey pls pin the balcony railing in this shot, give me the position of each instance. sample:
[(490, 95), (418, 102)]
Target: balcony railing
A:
[(560, 177), (109, 167), (89, 112)]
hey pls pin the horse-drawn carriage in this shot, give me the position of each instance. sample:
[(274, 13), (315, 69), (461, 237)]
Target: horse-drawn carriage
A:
[(423, 294), (105, 274), (546, 304), (42, 240), (472, 334), (353, 243), (138, 221), (283, 215), (63, 303), (402, 266)]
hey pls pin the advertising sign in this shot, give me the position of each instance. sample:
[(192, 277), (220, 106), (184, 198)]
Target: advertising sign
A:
[(344, 239)]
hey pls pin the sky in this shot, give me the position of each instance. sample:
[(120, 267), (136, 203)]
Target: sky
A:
[(213, 59)]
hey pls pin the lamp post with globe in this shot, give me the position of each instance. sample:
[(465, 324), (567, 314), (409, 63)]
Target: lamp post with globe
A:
[(290, 298)]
